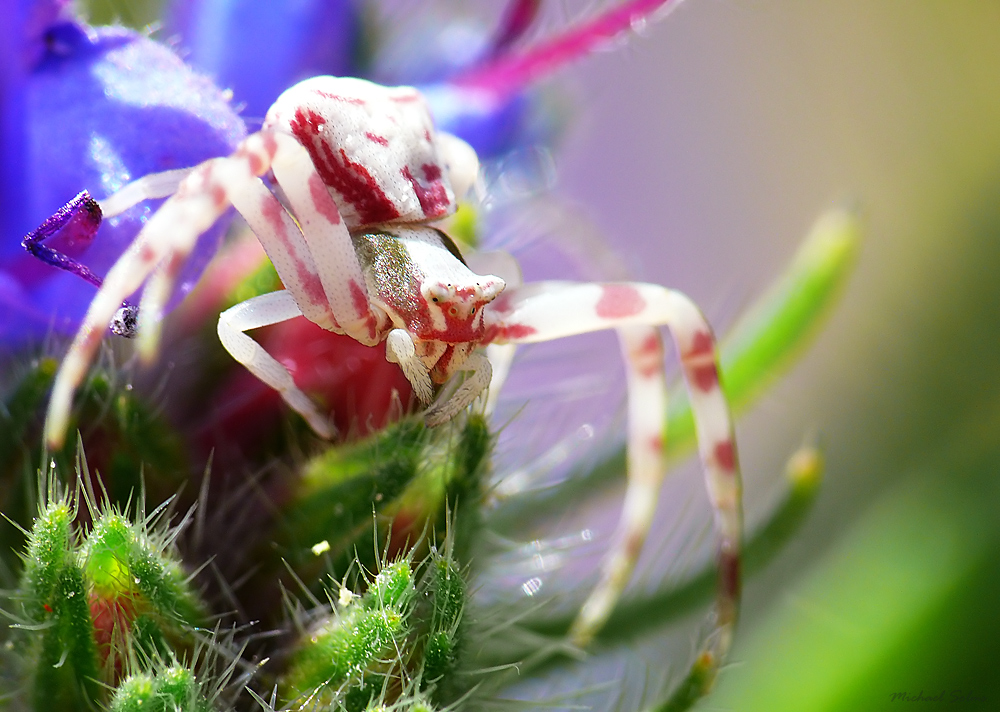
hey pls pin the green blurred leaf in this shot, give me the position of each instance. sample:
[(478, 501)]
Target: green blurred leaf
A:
[(903, 604)]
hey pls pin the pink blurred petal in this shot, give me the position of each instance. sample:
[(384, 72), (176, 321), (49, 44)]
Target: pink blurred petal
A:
[(512, 72), (517, 17)]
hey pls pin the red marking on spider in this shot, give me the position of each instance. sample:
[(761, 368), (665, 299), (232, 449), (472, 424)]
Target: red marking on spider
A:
[(458, 330), (380, 140), (515, 331), (648, 357), (656, 443), (174, 265), (360, 300), (352, 180), (432, 171), (705, 376), (270, 145), (434, 198), (701, 344), (47, 607), (311, 284), (729, 574), (439, 374), (633, 545), (699, 361), (725, 455), (618, 301), (147, 254), (337, 97), (271, 210), (218, 195), (406, 98), (322, 201), (255, 163), (92, 338)]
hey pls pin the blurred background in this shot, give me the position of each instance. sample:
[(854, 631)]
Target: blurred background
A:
[(707, 146), (703, 150)]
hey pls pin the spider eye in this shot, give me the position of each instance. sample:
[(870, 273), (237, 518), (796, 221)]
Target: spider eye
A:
[(434, 299)]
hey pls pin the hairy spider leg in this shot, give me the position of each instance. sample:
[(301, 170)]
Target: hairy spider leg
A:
[(328, 240), (551, 310), (149, 187), (254, 313), (202, 197), (481, 373), (642, 350)]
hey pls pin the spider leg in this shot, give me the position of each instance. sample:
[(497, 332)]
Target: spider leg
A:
[(546, 311), (481, 373), (328, 240), (171, 233), (642, 349), (155, 185), (179, 221), (399, 349), (501, 356), (460, 161), (261, 311)]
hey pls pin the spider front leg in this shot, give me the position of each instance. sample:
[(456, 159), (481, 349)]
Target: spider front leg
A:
[(400, 349), (642, 349), (547, 311), (254, 313), (335, 262), (480, 373), (171, 233)]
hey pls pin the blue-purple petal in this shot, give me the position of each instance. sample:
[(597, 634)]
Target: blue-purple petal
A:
[(259, 49), (492, 127), (103, 107)]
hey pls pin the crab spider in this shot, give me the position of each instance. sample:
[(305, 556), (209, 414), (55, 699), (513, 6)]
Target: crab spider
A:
[(363, 176)]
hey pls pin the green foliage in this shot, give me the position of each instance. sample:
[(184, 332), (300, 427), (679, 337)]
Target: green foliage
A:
[(447, 593), (388, 648), (346, 658), (171, 689), (48, 553), (125, 439), (96, 606), (405, 476)]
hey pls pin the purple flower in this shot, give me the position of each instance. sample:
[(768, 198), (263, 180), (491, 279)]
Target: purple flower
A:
[(90, 108), (260, 49)]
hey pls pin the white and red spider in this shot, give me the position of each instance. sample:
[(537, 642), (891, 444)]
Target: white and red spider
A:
[(363, 177)]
